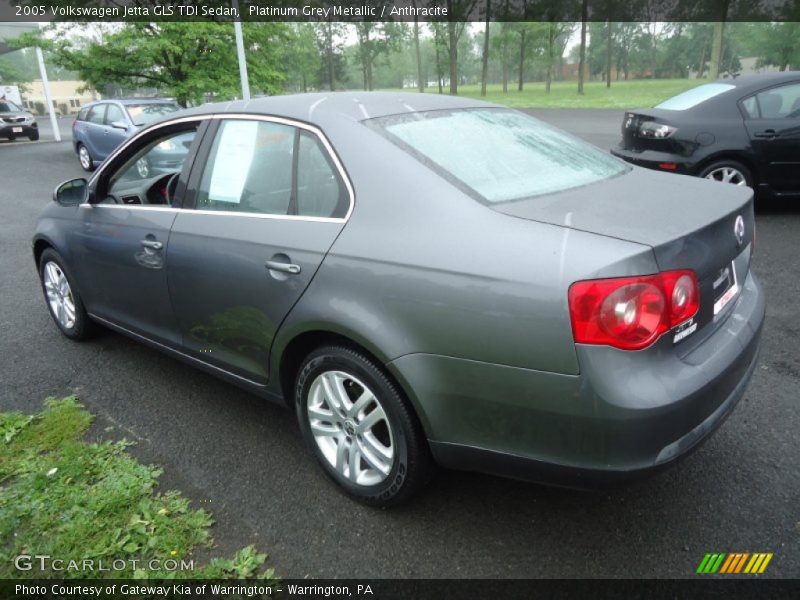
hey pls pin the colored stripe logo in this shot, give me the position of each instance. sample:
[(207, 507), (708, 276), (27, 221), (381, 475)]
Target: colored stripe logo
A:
[(734, 563)]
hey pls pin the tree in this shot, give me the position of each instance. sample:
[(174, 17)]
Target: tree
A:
[(420, 80), (779, 45), (716, 44), (185, 60), (329, 41), (503, 44), (458, 12), (376, 40), (303, 60), (485, 57), (582, 60)]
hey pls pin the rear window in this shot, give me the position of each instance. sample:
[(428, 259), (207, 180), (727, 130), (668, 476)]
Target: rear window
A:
[(693, 97), (142, 114), (498, 154)]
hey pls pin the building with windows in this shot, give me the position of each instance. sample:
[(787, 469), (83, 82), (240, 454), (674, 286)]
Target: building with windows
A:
[(68, 97)]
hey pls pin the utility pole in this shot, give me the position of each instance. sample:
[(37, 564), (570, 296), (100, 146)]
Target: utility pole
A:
[(237, 27), (48, 97)]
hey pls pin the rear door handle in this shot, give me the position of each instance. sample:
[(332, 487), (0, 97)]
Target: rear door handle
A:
[(274, 265), (155, 245), (767, 133)]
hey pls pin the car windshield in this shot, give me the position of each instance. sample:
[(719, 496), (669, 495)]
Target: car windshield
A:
[(695, 96), (8, 106), (142, 114), (499, 154)]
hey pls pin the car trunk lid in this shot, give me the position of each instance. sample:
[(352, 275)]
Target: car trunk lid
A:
[(690, 223)]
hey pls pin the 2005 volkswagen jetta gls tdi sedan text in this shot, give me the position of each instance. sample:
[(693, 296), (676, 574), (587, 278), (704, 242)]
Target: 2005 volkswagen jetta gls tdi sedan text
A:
[(424, 280)]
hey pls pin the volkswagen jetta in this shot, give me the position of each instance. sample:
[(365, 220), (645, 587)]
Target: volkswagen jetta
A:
[(422, 279)]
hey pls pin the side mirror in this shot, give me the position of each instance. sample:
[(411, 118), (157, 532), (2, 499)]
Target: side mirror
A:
[(120, 125), (71, 193)]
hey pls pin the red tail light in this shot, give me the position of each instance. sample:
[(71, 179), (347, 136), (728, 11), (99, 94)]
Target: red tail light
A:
[(631, 313)]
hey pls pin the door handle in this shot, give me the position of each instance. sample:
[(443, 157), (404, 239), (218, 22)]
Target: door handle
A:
[(155, 245), (274, 265), (767, 133)]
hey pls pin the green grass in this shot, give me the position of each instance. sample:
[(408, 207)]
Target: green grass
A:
[(564, 94), (69, 499)]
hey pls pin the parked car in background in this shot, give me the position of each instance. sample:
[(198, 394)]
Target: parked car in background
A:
[(16, 122), (102, 126), (421, 278), (744, 131)]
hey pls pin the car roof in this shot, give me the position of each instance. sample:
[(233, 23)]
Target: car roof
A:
[(749, 83), (321, 108)]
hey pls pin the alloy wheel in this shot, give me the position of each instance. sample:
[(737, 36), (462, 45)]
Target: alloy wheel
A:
[(83, 156), (351, 428), (59, 295), (143, 168), (727, 175)]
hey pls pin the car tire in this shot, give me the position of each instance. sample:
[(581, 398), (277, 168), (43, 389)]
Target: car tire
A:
[(63, 301), (728, 171), (374, 448), (34, 136), (85, 158)]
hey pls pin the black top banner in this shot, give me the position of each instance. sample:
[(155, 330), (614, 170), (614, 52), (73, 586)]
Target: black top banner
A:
[(399, 10)]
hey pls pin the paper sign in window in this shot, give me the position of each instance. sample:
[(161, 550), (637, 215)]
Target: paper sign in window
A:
[(232, 163)]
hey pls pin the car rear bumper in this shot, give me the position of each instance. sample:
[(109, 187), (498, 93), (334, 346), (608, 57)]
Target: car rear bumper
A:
[(626, 414), (651, 159)]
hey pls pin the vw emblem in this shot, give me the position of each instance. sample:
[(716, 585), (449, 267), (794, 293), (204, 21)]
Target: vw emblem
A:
[(738, 229)]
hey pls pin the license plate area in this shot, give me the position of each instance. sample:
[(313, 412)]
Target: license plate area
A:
[(726, 287), (16, 129)]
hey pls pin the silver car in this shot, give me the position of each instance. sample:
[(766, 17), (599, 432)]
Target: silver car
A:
[(423, 280)]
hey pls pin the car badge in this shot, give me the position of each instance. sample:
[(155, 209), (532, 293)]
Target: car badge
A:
[(738, 229)]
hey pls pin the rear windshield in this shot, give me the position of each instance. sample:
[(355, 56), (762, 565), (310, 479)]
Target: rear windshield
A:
[(142, 114), (498, 154), (695, 96)]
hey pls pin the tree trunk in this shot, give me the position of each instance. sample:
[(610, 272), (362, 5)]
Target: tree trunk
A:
[(702, 67), (521, 58), (420, 82), (439, 73), (329, 51), (608, 54), (453, 47), (551, 42), (716, 50), (485, 69), (582, 61)]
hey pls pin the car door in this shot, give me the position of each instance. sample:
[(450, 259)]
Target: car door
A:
[(121, 245), (92, 129), (115, 129), (263, 218), (774, 132)]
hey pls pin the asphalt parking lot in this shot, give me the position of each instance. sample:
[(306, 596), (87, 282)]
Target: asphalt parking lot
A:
[(243, 458)]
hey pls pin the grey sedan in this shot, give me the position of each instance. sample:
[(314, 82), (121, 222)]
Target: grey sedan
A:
[(423, 280)]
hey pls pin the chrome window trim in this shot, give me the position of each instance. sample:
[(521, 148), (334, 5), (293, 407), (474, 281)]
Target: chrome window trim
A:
[(245, 117)]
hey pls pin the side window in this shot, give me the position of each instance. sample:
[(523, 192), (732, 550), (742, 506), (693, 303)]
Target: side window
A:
[(97, 114), (249, 168), (114, 113), (750, 107), (780, 103), (159, 157), (82, 114), (320, 192)]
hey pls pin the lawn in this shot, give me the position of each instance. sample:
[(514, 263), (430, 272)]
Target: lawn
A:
[(71, 500), (564, 94)]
